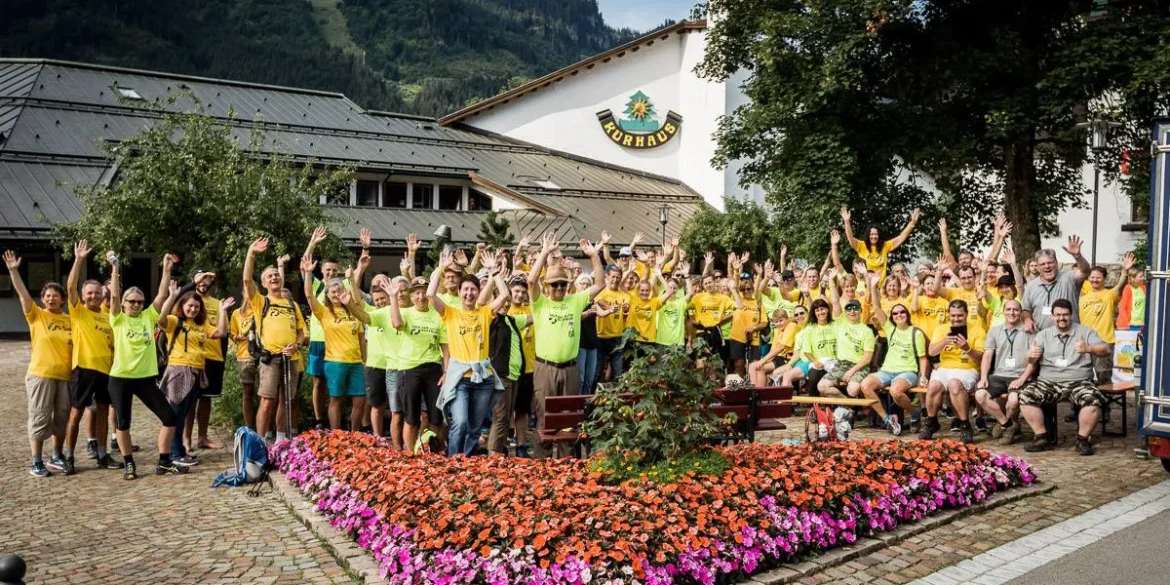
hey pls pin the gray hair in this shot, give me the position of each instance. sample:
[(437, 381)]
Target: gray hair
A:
[(133, 289), (1049, 252)]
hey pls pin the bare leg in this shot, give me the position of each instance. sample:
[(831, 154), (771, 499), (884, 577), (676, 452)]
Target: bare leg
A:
[(320, 397), (203, 419), (335, 412), (127, 448), (357, 412), (1087, 420), (959, 399), (409, 436), (899, 393), (990, 406), (73, 426), (1012, 408), (248, 399), (377, 419), (829, 389), (90, 430), (269, 409), (869, 387), (396, 431)]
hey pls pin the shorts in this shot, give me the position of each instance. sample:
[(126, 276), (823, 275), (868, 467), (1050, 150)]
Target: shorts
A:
[(271, 377), (247, 371), (998, 386), (740, 351), (888, 378), (839, 369), (214, 387), (394, 390), (419, 388), (376, 386), (344, 379), (945, 375), (1081, 393), (48, 407), (802, 365), (88, 387), (524, 394), (316, 367)]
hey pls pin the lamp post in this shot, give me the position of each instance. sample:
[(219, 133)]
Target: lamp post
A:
[(1098, 139), (662, 220)]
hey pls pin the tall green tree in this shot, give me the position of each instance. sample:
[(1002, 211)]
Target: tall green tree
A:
[(493, 231), (744, 226), (883, 105), (186, 185)]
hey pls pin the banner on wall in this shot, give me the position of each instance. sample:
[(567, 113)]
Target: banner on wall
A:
[(642, 126), (1125, 347)]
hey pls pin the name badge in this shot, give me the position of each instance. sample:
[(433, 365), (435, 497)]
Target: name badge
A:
[(1062, 362), (1046, 311), (1009, 362)]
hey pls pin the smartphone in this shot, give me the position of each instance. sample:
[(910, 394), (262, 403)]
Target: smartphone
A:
[(959, 331)]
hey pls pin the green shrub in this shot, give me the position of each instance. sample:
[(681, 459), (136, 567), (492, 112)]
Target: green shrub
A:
[(228, 410)]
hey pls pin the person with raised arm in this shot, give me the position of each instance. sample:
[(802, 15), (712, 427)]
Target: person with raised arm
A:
[(200, 412), (470, 384), (746, 321), (854, 349), (330, 270), (644, 306), (874, 250), (1053, 284), (557, 320), (241, 332), (421, 356), (905, 364), (1098, 306), (93, 354), (134, 371), (280, 332), (183, 319)]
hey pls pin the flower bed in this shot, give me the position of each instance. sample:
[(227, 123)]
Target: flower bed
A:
[(437, 520)]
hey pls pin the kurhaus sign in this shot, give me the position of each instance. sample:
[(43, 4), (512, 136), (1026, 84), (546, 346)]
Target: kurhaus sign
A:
[(641, 128)]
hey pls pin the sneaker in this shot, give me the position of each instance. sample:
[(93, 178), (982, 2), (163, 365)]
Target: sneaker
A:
[(997, 430), (114, 447), (56, 463), (956, 425), (981, 425), (522, 451), (1038, 444), (69, 468), (108, 462), (38, 470), (169, 468), (131, 471), (1013, 434), (186, 461), (929, 427), (1084, 447), (91, 449), (965, 435), (893, 425)]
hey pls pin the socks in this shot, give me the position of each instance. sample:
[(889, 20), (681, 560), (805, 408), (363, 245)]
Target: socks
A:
[(280, 436), (101, 451), (164, 459), (56, 452), (68, 453), (38, 460)]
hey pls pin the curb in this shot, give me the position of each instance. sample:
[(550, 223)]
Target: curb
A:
[(361, 566)]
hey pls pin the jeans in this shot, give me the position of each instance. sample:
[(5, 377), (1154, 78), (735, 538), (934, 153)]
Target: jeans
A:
[(587, 367), (471, 407), (181, 409), (608, 354)]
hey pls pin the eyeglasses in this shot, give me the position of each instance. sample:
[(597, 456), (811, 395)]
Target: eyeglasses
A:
[(801, 313), (135, 302)]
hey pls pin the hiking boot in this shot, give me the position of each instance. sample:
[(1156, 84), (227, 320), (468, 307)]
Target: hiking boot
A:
[(892, 424), (1039, 443), (69, 467), (965, 435), (1084, 447), (107, 461), (956, 426), (186, 461), (997, 430), (1013, 434), (91, 449), (929, 427), (39, 470), (169, 468), (56, 463), (130, 472)]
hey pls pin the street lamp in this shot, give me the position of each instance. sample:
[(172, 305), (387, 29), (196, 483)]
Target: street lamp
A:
[(662, 220), (1098, 140)]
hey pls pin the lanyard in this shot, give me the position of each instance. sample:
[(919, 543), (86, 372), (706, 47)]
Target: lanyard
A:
[(1063, 339), (1011, 339), (1048, 292)]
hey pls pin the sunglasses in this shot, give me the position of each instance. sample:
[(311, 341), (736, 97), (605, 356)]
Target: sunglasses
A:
[(852, 309), (135, 302), (896, 313), (801, 313), (558, 285)]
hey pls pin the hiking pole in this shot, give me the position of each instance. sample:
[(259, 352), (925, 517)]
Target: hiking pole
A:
[(286, 369)]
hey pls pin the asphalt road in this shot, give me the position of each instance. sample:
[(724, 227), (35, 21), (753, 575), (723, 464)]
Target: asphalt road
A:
[(1134, 556)]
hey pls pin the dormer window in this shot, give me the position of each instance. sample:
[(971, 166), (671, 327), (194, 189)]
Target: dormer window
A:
[(128, 93)]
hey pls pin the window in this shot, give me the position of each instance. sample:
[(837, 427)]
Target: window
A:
[(367, 193), (424, 196), (128, 93), (450, 197), (395, 195), (1139, 212), (478, 201), (547, 185)]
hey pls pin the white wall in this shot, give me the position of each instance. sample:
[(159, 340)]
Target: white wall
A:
[(1113, 211)]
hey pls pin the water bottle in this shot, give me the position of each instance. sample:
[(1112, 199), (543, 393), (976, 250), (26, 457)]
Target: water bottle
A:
[(113, 258)]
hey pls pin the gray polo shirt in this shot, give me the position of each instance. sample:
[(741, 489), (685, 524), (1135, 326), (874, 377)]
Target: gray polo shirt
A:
[(1011, 349), (1039, 296), (1060, 361)]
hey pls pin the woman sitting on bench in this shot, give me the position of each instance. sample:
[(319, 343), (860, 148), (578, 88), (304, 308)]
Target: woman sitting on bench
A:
[(905, 365)]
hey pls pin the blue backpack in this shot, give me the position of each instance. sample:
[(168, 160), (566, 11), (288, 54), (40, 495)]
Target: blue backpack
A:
[(251, 457)]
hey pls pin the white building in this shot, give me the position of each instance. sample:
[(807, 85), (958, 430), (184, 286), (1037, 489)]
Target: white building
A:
[(562, 111)]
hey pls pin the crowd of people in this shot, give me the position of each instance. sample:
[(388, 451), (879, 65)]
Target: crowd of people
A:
[(435, 360)]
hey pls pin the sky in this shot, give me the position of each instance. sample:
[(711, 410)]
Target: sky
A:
[(643, 15)]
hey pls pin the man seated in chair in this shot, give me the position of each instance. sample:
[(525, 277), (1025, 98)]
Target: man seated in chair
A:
[(1064, 354), (1005, 369)]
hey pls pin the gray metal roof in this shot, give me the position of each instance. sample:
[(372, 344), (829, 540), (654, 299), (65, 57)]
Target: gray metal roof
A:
[(55, 117)]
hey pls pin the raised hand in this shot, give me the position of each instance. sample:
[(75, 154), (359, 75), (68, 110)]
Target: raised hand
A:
[(942, 224), (643, 256), (1127, 261), (378, 282), (396, 288), (318, 236), (349, 272), (446, 259), (364, 236), (709, 258), (914, 215), (488, 261), (111, 257), (168, 261), (525, 240), (258, 245), (173, 289), (461, 258), (344, 296), (412, 243), (587, 247), (604, 238), (548, 243), (1074, 246), (834, 237), (638, 237), (845, 215), (998, 222), (364, 260), (81, 249), (1008, 255), (283, 259), (405, 265), (227, 304), (308, 264)]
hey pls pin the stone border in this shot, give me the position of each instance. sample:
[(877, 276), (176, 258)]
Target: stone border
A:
[(360, 564)]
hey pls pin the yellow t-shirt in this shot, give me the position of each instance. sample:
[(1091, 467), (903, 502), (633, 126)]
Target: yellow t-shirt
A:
[(953, 358), (931, 314), (239, 326), (527, 338), (875, 260), (1097, 308), (644, 317), (213, 348), (52, 344), (278, 327), (467, 332), (887, 306), (707, 310), (613, 324), (190, 348), (787, 339), (343, 334), (93, 339), (748, 315), (971, 297)]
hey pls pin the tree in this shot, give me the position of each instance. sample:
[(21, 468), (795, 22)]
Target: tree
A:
[(867, 104), (185, 185), (744, 226), (493, 231)]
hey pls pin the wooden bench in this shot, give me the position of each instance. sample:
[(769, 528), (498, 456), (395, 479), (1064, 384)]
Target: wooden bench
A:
[(1116, 395), (770, 407), (831, 401), (563, 416)]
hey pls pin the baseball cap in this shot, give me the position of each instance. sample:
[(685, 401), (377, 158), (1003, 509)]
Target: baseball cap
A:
[(787, 275), (854, 304), (626, 251), (418, 282), (1006, 280)]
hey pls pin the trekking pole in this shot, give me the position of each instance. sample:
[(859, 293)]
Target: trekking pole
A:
[(286, 367)]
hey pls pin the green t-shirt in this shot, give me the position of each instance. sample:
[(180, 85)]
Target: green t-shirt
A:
[(1137, 311), (853, 340), (316, 331), (382, 340), (672, 326), (420, 337), (820, 342), (901, 356), (558, 326), (994, 305), (516, 355), (772, 300), (134, 354)]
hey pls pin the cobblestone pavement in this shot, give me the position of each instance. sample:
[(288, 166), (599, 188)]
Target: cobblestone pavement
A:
[(94, 527), (1082, 483)]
